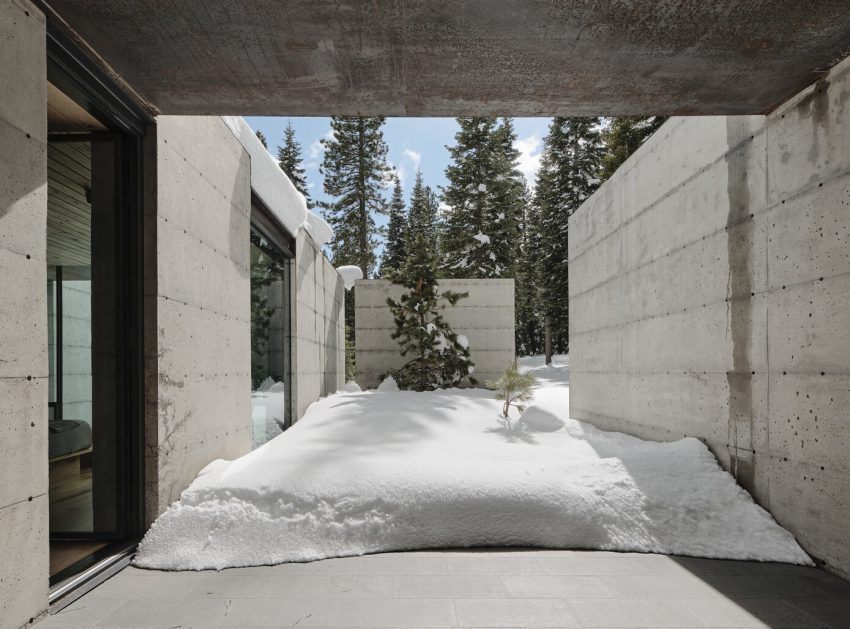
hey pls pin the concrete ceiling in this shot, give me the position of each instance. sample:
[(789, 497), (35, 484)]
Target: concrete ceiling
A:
[(463, 57)]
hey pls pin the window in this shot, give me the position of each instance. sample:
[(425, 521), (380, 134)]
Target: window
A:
[(271, 374)]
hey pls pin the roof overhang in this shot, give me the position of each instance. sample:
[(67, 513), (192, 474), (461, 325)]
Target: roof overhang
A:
[(463, 57)]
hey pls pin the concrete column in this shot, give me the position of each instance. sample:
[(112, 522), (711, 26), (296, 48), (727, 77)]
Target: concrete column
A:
[(23, 315)]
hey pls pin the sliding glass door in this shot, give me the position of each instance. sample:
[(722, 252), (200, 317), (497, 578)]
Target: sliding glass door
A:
[(271, 375), (93, 287)]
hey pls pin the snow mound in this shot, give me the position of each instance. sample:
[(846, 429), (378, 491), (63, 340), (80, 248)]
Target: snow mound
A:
[(370, 472), (389, 385), (350, 274), (350, 387)]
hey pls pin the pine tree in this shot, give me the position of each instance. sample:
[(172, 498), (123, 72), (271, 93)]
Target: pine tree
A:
[(624, 136), (485, 196), (395, 249), (529, 321), (289, 160), (423, 213), (466, 244), (440, 357), (509, 198), (433, 224), (355, 171), (569, 174), (261, 136)]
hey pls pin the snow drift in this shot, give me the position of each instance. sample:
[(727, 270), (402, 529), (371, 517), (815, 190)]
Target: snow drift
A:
[(275, 189), (380, 471)]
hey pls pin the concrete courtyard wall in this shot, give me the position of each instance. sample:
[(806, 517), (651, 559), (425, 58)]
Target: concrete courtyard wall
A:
[(710, 297), (486, 318), (23, 314), (197, 302), (318, 325)]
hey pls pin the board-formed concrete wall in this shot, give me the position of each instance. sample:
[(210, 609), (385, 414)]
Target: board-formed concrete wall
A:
[(197, 302), (318, 325), (710, 297), (486, 318), (23, 314)]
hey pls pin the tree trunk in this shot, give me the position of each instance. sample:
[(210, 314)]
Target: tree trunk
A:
[(547, 340)]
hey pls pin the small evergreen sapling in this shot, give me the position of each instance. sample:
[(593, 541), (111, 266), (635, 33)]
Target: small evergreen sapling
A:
[(514, 388), (440, 357)]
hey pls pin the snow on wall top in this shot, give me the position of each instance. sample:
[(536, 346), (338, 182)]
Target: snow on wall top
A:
[(275, 189)]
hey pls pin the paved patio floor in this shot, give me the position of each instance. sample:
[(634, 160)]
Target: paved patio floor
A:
[(472, 589)]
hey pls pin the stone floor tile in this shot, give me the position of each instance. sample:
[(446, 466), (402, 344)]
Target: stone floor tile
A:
[(536, 586), (514, 613), (401, 612), (722, 612), (632, 613), (494, 565), (658, 586), (834, 613), (451, 586), (165, 612), (302, 586)]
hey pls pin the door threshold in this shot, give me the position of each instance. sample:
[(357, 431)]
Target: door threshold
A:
[(69, 590)]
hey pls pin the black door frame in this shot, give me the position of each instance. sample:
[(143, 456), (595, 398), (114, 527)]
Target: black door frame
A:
[(80, 77)]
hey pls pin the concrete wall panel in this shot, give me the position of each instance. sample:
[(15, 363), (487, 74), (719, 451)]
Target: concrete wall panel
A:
[(23, 439), (485, 317), (197, 303), (728, 258), (23, 315), (23, 571), (319, 325)]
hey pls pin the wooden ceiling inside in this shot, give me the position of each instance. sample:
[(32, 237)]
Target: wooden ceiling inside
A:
[(68, 208), (66, 116)]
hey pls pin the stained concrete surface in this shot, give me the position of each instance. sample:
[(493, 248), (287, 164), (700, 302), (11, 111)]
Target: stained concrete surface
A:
[(472, 57), (473, 588), (709, 283)]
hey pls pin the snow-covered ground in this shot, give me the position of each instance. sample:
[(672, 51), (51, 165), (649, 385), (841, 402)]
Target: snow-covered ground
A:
[(365, 472)]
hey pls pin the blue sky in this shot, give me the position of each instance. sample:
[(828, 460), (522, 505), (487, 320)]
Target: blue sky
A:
[(412, 142)]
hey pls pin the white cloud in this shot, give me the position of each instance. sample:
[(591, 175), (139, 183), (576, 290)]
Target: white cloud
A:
[(315, 149), (443, 208), (414, 157), (530, 151), (400, 172)]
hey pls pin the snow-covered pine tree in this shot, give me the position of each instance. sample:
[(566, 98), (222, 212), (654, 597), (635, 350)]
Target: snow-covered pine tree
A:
[(569, 174), (440, 357), (423, 217), (485, 196), (529, 321), (262, 138), (623, 136), (508, 200), (466, 245), (355, 172), (395, 248), (433, 230), (289, 159)]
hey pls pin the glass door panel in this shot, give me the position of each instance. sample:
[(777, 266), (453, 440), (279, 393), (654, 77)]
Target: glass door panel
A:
[(270, 340)]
